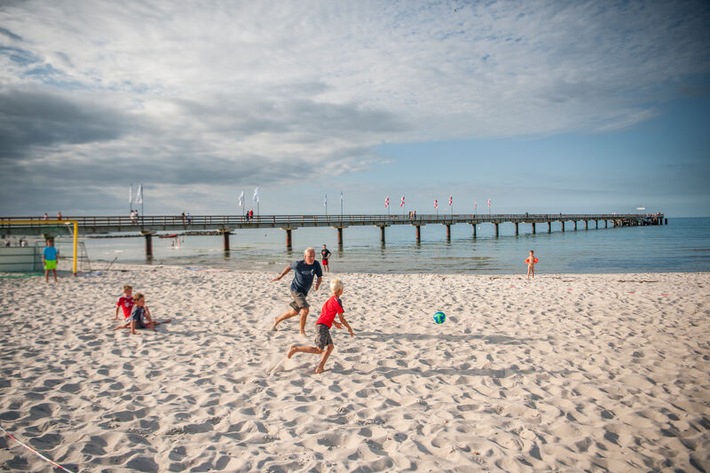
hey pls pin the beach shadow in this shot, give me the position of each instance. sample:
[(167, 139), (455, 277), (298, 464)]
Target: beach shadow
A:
[(489, 339), (390, 373)]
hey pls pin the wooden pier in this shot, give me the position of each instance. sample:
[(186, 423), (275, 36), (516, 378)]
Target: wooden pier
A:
[(224, 225)]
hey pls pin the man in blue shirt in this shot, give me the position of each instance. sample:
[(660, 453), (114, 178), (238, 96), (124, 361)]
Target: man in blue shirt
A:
[(49, 255), (304, 271)]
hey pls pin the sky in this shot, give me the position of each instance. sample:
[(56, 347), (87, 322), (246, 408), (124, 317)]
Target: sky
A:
[(541, 106)]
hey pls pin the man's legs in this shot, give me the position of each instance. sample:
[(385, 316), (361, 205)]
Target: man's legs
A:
[(286, 315)]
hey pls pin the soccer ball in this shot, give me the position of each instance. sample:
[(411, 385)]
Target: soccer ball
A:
[(439, 317)]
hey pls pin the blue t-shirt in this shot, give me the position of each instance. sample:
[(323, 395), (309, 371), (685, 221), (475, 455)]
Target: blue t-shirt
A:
[(50, 253), (303, 275), (138, 313)]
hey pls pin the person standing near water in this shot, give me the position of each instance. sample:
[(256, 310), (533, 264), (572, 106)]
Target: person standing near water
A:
[(324, 256), (531, 261), (305, 271), (49, 255)]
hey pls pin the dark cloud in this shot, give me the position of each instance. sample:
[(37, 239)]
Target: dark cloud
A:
[(31, 119)]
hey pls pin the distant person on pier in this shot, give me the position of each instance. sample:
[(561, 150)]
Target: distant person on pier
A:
[(305, 271), (49, 255), (531, 261), (59, 215), (324, 256)]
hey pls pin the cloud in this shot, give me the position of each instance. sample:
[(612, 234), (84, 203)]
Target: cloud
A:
[(218, 92)]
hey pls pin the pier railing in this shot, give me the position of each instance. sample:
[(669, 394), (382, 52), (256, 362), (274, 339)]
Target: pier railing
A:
[(151, 225), (157, 223)]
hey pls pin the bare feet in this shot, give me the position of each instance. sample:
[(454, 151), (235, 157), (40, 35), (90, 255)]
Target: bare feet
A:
[(276, 322), (303, 334), (291, 351), (318, 370)]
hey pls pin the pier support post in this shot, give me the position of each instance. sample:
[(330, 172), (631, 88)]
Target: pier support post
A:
[(597, 223), (448, 232), (549, 227), (474, 230), (606, 223), (586, 224), (382, 234), (418, 230), (563, 225), (533, 228), (575, 225), (497, 232), (225, 235), (516, 228), (148, 245), (289, 241), (340, 237)]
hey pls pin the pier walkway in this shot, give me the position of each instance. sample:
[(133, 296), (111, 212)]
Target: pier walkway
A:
[(150, 225)]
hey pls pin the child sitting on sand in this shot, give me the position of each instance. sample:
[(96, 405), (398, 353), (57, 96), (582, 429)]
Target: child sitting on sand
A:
[(323, 341), (140, 317), (125, 302)]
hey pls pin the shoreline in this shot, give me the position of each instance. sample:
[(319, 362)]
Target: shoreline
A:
[(562, 372)]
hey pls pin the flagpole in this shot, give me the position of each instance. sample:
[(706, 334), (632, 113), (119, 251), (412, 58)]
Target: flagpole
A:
[(325, 204), (130, 197), (142, 199)]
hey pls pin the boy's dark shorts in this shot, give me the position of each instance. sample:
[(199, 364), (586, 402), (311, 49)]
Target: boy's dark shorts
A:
[(139, 322), (323, 338), (299, 301)]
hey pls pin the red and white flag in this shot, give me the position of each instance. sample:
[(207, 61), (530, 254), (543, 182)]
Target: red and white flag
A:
[(451, 200), (401, 203), (436, 203), (489, 203), (387, 202)]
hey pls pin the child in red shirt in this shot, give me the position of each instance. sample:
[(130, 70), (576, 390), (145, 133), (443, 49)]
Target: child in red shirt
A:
[(323, 341), (125, 302)]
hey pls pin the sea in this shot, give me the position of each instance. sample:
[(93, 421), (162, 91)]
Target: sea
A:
[(683, 245)]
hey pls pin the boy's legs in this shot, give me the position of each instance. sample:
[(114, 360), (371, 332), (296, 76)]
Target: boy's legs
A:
[(303, 349), (304, 316), (326, 353)]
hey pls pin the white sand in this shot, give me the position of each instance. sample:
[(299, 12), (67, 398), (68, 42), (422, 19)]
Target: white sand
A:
[(561, 373)]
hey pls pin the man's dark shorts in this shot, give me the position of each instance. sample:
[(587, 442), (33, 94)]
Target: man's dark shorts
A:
[(299, 301), (323, 338)]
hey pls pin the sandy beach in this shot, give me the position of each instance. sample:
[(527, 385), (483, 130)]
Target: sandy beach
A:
[(560, 373)]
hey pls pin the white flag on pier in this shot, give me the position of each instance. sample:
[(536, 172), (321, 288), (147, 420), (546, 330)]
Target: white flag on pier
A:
[(241, 199), (130, 196), (256, 195), (139, 195)]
